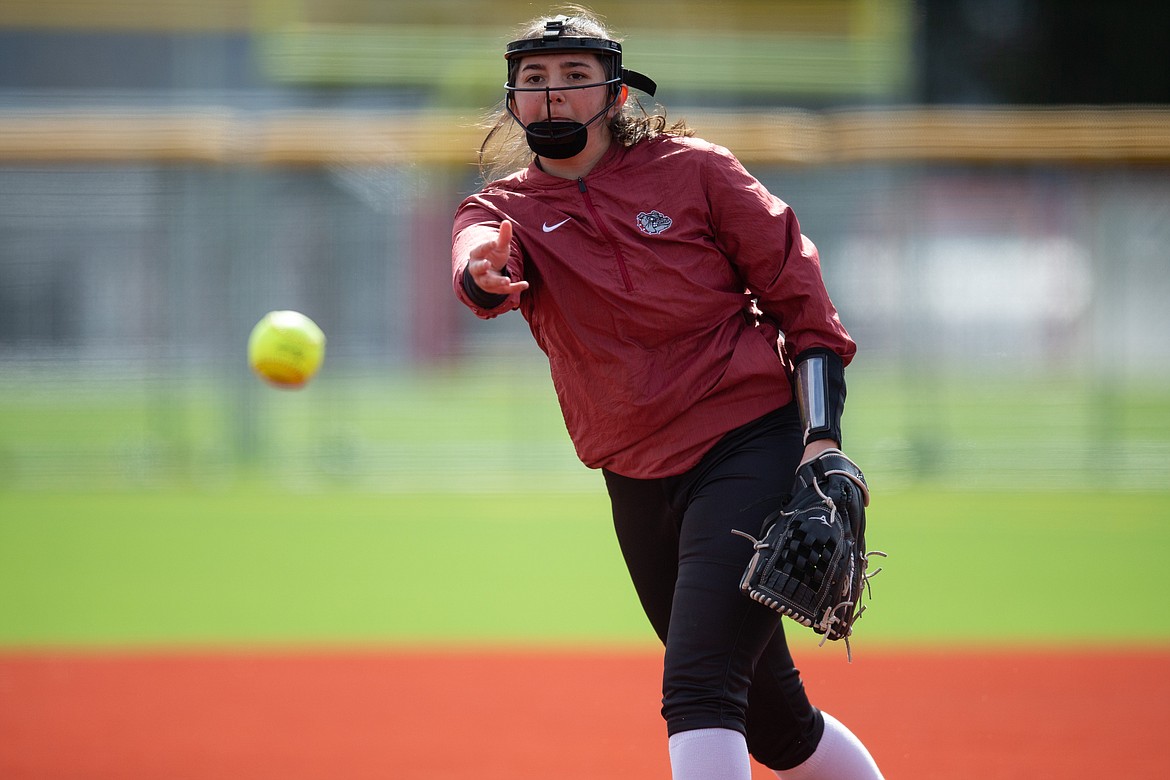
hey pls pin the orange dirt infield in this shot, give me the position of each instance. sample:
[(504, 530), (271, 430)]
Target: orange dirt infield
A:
[(557, 715)]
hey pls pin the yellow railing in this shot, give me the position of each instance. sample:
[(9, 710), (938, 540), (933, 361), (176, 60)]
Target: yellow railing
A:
[(1089, 135)]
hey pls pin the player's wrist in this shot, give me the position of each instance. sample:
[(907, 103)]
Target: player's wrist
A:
[(818, 447), (479, 296)]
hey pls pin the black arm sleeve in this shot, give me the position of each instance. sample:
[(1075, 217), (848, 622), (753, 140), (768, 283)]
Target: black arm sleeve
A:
[(484, 300)]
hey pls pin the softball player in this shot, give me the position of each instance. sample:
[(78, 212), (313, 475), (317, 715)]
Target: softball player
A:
[(697, 359)]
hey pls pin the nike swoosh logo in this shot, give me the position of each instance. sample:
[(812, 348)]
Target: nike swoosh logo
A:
[(547, 228)]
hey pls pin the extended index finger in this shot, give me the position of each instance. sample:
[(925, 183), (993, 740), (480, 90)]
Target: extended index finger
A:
[(504, 239)]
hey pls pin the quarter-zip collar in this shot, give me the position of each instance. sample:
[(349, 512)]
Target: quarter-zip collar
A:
[(540, 177)]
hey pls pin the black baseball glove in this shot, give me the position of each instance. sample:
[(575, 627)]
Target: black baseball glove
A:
[(811, 563)]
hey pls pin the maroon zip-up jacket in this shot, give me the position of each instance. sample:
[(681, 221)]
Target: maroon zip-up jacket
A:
[(638, 277)]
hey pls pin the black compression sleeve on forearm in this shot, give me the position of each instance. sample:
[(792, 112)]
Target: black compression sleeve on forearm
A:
[(482, 299), (819, 382)]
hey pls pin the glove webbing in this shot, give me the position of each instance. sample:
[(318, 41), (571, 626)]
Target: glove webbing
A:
[(808, 558)]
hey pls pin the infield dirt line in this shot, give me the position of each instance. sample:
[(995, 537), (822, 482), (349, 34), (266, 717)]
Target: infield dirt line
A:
[(421, 715)]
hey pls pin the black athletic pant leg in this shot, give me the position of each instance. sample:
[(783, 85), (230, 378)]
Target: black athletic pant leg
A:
[(727, 664)]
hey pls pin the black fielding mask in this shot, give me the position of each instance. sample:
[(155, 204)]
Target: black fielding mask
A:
[(561, 139)]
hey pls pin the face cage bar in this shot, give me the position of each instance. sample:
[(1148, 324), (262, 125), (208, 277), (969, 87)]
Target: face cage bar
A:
[(607, 83), (569, 129)]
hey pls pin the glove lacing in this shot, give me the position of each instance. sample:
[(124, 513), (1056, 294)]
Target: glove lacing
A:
[(830, 618)]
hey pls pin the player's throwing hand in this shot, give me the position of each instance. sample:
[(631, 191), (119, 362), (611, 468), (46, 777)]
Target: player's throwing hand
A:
[(488, 260)]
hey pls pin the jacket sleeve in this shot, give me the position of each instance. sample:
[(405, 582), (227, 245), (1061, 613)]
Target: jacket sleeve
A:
[(780, 266), (475, 224)]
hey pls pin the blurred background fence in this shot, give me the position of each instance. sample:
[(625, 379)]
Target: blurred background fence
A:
[(993, 218)]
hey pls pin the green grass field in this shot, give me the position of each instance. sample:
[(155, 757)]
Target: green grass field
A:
[(257, 567), (176, 512)]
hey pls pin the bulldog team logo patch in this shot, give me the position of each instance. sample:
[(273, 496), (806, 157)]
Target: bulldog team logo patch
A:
[(653, 223)]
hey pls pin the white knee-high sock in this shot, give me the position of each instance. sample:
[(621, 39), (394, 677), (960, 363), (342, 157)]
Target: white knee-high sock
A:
[(839, 756), (709, 754)]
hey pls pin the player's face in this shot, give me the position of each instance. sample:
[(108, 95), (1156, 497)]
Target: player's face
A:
[(553, 71)]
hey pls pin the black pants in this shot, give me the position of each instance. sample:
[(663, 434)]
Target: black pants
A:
[(727, 663)]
